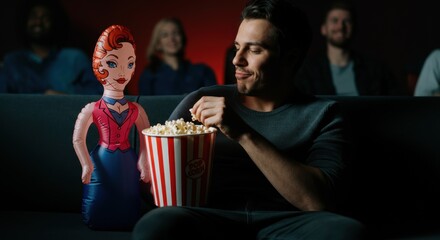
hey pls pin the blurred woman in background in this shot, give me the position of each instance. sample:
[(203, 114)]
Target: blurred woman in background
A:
[(168, 71)]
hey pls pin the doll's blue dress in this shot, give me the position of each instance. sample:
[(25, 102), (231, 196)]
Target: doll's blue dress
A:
[(112, 200)]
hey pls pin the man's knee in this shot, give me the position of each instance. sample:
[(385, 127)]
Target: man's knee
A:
[(166, 222)]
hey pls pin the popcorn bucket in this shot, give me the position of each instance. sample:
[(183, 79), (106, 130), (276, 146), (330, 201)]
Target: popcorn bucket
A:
[(180, 167)]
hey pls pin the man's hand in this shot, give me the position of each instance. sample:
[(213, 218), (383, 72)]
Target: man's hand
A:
[(212, 111)]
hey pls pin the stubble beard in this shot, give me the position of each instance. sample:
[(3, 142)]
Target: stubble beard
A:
[(339, 43), (242, 88)]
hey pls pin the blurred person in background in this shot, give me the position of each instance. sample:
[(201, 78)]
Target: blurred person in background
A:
[(168, 71), (340, 70), (45, 65)]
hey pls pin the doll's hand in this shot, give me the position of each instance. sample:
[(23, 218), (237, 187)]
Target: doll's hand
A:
[(145, 172), (86, 174), (145, 176)]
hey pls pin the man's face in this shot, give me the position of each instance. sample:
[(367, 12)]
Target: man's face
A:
[(338, 28), (256, 59), (39, 24)]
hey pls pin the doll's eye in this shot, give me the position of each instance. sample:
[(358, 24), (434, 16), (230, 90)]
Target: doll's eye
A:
[(111, 64), (130, 65)]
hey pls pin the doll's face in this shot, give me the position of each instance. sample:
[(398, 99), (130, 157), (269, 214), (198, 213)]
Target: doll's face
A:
[(120, 64)]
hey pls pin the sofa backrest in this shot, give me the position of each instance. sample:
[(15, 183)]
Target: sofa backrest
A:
[(396, 163), (395, 182), (40, 170)]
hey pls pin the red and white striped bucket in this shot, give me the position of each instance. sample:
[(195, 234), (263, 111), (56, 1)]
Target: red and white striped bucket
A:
[(180, 168)]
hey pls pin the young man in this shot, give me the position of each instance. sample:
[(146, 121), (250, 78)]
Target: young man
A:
[(340, 70), (44, 65), (279, 155)]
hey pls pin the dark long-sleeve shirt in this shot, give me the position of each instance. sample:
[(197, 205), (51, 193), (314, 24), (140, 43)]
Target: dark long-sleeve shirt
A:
[(371, 77), (309, 130)]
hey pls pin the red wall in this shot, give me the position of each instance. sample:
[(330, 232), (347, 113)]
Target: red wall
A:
[(399, 33), (210, 26)]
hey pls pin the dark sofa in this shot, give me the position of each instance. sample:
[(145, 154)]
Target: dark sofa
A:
[(394, 188)]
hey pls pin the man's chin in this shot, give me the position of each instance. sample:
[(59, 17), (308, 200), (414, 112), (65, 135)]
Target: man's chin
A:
[(242, 88), (247, 90), (340, 44), (41, 40)]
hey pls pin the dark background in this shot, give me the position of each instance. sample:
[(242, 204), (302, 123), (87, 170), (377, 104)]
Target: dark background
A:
[(399, 33)]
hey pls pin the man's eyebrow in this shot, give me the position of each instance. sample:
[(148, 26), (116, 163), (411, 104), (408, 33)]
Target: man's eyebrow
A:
[(260, 44)]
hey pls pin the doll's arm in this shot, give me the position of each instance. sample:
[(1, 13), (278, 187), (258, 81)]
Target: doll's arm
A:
[(82, 125), (142, 122)]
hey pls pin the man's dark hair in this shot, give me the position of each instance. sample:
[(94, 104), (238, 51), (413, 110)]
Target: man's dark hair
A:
[(340, 4), (293, 29)]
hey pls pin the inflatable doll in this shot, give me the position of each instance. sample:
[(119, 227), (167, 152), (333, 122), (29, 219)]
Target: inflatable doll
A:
[(112, 171)]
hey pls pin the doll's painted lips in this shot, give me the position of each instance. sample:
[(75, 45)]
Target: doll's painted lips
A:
[(121, 80)]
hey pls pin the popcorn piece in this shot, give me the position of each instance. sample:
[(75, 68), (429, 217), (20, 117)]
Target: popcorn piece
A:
[(193, 116), (177, 127)]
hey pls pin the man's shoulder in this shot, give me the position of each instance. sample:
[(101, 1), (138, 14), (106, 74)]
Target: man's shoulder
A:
[(72, 52), (366, 59), (324, 106), (316, 100), (324, 100), (17, 54), (434, 55), (212, 90), (216, 90), (314, 103)]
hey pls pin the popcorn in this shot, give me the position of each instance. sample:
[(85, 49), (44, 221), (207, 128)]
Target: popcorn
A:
[(193, 116), (177, 127)]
